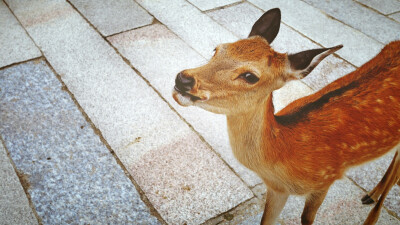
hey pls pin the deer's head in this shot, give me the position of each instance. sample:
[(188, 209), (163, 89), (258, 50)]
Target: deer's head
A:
[(242, 74)]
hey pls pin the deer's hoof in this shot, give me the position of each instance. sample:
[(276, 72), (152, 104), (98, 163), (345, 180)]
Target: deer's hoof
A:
[(367, 200)]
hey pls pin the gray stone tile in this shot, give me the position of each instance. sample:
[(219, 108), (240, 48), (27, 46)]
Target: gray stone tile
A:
[(111, 17), (386, 7), (131, 116), (342, 205), (195, 28), (240, 18), (361, 18), (395, 16), (155, 43), (72, 176), (207, 5), (328, 32), (368, 175), (14, 205), (15, 45)]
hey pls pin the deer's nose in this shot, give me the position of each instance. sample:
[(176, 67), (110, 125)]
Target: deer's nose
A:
[(184, 83)]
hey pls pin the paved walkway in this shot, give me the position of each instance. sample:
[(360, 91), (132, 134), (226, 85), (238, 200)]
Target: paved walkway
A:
[(89, 132)]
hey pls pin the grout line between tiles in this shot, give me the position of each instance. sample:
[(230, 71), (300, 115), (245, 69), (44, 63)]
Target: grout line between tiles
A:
[(23, 180)]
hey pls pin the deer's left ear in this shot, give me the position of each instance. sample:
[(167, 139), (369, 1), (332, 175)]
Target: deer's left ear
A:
[(267, 25), (302, 63)]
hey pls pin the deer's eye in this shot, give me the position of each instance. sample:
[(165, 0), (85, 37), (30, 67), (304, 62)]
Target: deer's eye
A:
[(249, 77)]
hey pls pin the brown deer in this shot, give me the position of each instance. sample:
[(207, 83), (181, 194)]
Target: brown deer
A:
[(305, 147)]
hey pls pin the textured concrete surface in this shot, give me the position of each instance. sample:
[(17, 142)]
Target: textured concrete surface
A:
[(386, 7), (395, 16), (15, 45), (369, 22), (70, 174), (179, 158), (111, 17), (207, 5), (324, 30), (14, 205), (126, 110), (197, 29)]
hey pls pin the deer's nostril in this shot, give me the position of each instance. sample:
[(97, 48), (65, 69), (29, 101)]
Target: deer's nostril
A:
[(184, 83)]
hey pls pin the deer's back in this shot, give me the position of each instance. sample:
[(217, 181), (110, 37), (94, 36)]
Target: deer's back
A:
[(353, 120)]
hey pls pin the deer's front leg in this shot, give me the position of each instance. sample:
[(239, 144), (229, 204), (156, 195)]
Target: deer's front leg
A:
[(313, 202), (273, 207)]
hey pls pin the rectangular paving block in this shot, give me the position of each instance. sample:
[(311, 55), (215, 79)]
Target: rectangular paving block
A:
[(15, 44), (70, 174), (207, 5), (172, 55), (111, 17), (240, 18), (195, 28), (368, 175), (324, 30), (14, 205), (386, 7), (132, 117), (366, 20)]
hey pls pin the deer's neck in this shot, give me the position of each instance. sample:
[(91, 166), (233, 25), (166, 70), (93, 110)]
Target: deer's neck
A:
[(247, 134)]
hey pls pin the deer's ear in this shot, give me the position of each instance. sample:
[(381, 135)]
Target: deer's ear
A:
[(302, 63), (268, 25)]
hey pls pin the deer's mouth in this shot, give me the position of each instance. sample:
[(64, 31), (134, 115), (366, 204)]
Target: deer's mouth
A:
[(192, 97)]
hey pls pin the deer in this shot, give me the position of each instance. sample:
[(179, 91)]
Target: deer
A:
[(308, 145)]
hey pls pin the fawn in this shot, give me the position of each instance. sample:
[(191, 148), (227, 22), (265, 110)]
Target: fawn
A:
[(309, 144)]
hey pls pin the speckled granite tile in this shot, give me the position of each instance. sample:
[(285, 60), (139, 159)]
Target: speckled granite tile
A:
[(72, 176), (319, 27), (240, 18), (385, 7), (111, 17), (368, 175), (207, 5), (203, 187), (131, 116), (367, 21), (15, 45), (14, 205), (195, 28), (155, 43)]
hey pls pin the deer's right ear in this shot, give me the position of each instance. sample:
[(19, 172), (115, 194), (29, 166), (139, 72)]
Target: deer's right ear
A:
[(268, 25)]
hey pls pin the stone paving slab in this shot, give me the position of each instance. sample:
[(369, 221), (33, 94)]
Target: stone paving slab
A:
[(371, 23), (71, 175), (324, 30), (240, 18), (342, 205), (127, 112), (15, 44), (111, 17), (195, 28), (145, 46), (368, 175), (386, 7), (207, 5), (14, 205)]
